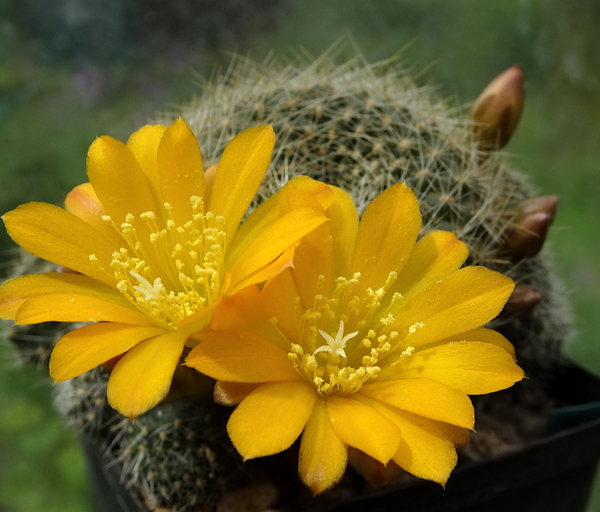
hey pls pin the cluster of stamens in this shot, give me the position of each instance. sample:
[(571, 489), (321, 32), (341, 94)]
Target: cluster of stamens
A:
[(169, 271), (341, 362)]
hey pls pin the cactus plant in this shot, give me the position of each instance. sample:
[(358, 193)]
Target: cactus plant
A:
[(362, 127)]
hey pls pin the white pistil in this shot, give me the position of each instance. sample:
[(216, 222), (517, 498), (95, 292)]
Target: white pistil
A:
[(335, 345), (149, 291)]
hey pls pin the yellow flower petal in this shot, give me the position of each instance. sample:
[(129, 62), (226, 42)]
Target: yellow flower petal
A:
[(144, 146), (118, 180), (274, 240), (464, 300), (361, 426), (56, 235), (271, 418), (343, 219), (473, 367), (236, 356), (299, 192), (313, 258), (180, 170), (244, 312), (14, 292), (209, 179), (484, 336), (89, 346), (424, 449), (324, 194), (326, 251), (83, 203), (232, 393), (278, 299), (429, 398), (458, 436), (142, 377), (323, 455), (435, 256), (386, 235), (275, 267), (68, 307), (239, 173)]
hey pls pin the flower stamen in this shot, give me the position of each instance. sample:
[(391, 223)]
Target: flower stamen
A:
[(177, 270)]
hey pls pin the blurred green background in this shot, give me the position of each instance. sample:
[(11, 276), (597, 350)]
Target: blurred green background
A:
[(71, 70)]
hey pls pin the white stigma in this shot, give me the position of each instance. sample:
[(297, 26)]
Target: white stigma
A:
[(149, 291), (336, 346)]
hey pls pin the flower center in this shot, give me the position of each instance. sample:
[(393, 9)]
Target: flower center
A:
[(173, 272), (345, 361), (336, 346)]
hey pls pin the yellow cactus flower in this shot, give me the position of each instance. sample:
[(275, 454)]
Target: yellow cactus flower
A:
[(153, 245), (371, 340)]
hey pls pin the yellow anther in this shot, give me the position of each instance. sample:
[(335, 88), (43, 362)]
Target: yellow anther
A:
[(415, 327)]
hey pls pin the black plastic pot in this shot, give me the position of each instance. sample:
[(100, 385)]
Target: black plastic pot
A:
[(554, 474)]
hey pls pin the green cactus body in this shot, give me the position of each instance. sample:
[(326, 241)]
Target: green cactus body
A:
[(177, 455)]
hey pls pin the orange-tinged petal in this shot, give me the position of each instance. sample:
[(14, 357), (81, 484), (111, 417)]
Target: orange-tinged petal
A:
[(323, 455), (239, 173), (473, 367), (89, 346), (271, 418), (238, 356), (68, 307), (244, 312), (465, 300), (118, 179), (14, 292), (142, 377), (278, 300), (180, 170), (314, 257), (424, 450), (144, 146), (428, 398), (209, 179), (435, 256), (240, 311), (279, 236), (386, 235), (361, 426), (232, 393), (83, 203), (56, 235), (484, 336)]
